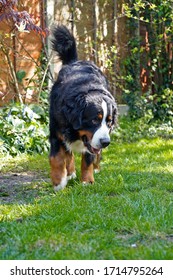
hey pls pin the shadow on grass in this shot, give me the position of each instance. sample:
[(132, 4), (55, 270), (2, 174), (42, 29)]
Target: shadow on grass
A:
[(23, 187)]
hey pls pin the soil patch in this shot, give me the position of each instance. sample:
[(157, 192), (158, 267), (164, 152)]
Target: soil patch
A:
[(21, 187)]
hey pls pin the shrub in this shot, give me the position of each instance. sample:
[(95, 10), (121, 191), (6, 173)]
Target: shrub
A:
[(144, 127), (24, 128)]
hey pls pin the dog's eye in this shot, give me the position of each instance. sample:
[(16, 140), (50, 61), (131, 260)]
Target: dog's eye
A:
[(97, 120), (109, 121), (100, 116)]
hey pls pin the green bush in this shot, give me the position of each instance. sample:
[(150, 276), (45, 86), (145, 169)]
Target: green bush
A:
[(144, 127), (24, 128), (162, 105)]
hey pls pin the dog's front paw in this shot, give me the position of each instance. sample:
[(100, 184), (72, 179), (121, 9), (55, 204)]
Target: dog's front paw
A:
[(86, 183), (71, 176), (96, 170), (61, 185)]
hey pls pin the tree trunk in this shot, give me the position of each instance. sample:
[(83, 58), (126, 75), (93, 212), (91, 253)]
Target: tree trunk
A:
[(95, 30)]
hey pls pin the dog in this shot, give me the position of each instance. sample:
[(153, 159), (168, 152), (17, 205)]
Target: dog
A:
[(82, 113)]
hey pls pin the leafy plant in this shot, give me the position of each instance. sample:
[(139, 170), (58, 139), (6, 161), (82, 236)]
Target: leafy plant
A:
[(163, 105), (157, 18), (144, 127), (17, 21), (20, 75), (24, 128)]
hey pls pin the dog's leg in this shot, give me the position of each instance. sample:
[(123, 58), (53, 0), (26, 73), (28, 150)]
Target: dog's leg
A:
[(97, 163), (87, 168), (58, 165), (70, 165)]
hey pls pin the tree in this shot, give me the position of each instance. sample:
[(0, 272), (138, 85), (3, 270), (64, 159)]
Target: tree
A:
[(16, 21)]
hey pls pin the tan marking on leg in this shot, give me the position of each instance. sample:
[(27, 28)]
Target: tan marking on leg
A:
[(70, 165), (86, 171), (96, 163), (58, 167)]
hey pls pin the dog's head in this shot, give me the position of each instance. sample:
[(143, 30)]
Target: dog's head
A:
[(94, 118)]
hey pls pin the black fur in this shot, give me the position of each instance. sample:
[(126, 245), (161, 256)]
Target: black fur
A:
[(64, 44), (76, 96)]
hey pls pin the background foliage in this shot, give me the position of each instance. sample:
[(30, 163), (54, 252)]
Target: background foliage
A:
[(24, 128), (155, 57)]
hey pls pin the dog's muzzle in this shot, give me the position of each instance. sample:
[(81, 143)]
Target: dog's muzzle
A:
[(103, 143)]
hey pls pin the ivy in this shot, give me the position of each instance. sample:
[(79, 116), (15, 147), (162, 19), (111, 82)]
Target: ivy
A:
[(157, 17)]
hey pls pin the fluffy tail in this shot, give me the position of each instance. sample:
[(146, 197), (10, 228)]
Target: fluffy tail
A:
[(64, 44)]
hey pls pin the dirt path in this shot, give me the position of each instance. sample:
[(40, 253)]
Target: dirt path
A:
[(22, 187)]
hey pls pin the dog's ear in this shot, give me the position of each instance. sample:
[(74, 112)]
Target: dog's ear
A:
[(114, 114), (76, 117), (73, 116), (112, 108)]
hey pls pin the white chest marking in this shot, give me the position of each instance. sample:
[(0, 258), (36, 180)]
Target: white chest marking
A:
[(77, 146)]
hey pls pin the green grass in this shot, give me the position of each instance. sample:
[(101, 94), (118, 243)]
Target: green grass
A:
[(126, 214)]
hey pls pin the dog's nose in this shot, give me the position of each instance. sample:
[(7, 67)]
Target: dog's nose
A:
[(104, 142)]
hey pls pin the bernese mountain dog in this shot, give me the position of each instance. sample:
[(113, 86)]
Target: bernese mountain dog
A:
[(82, 113)]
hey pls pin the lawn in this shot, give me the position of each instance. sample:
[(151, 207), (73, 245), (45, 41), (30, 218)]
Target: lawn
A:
[(126, 214)]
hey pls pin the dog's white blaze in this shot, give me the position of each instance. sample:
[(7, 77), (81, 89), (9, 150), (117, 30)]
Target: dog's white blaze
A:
[(103, 131)]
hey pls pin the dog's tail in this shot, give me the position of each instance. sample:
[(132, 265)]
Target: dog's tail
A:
[(64, 44)]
